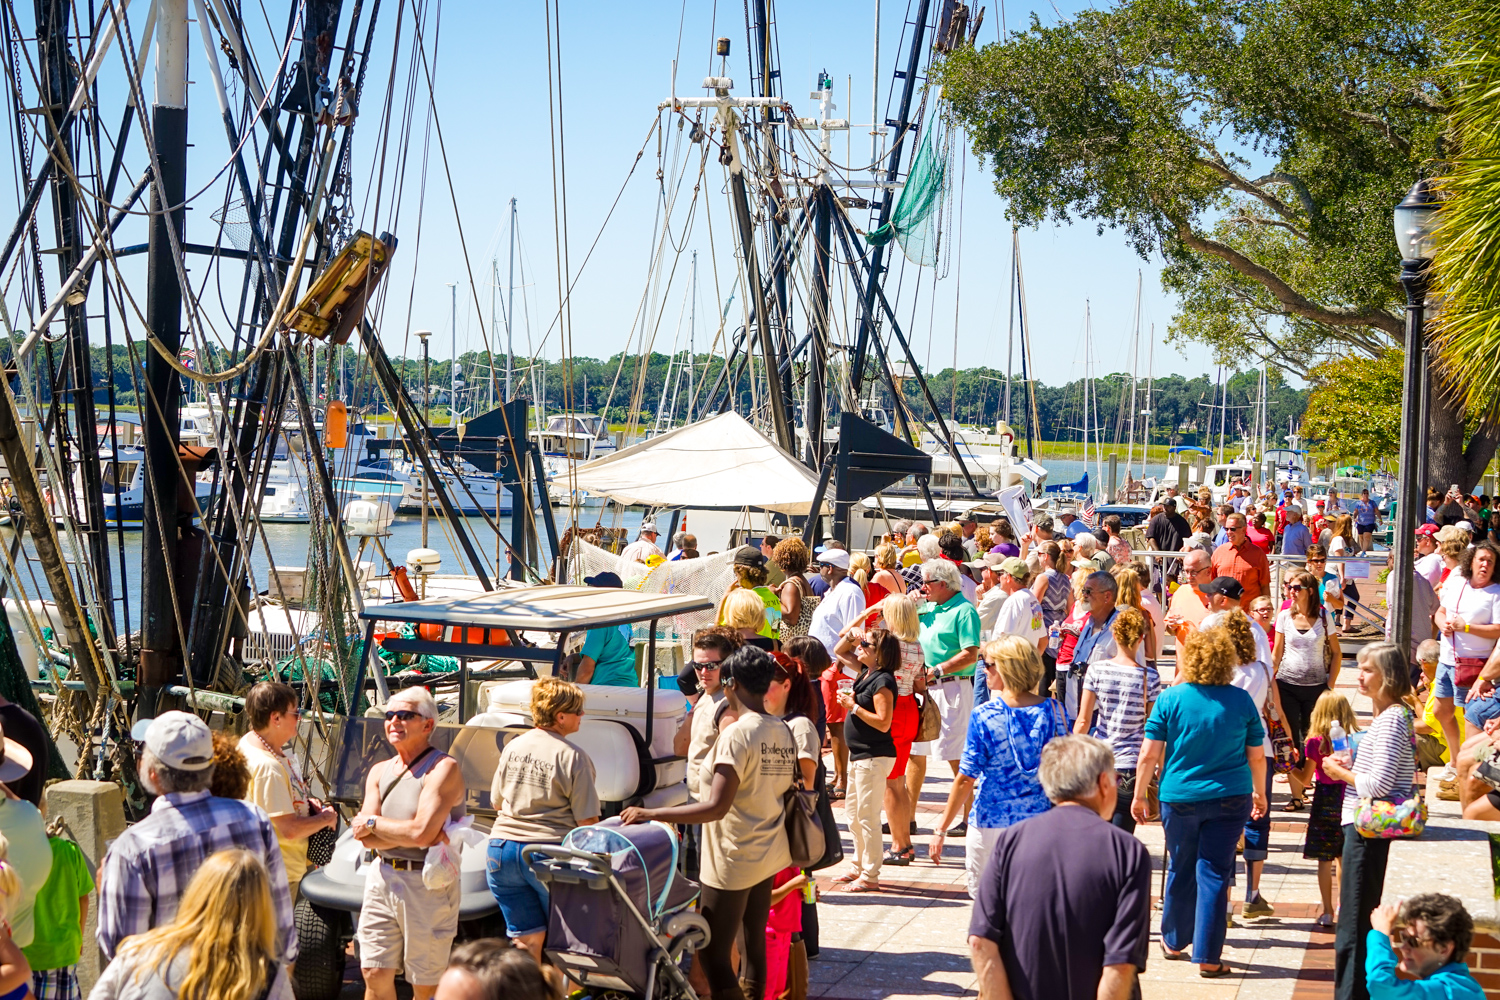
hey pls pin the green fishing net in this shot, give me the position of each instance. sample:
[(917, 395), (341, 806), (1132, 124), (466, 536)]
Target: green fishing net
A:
[(914, 222)]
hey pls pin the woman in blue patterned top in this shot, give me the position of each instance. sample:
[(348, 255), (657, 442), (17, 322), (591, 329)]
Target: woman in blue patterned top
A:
[(1002, 753)]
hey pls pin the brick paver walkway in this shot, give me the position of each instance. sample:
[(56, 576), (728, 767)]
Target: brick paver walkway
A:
[(910, 940)]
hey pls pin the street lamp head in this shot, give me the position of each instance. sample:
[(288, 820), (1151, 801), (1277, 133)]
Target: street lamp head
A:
[(1415, 219)]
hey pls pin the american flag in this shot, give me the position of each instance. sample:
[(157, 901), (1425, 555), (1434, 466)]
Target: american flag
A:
[(1087, 515), (189, 359)]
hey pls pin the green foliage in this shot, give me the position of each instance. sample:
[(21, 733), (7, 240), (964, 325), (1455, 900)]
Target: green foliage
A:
[(1258, 145), (1466, 265), (1354, 407)]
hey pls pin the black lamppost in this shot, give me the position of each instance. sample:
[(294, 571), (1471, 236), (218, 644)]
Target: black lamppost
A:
[(1414, 220)]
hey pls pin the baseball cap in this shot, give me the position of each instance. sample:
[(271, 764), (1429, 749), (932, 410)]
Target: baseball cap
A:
[(965, 519), (649, 526), (990, 560), (1427, 529), (838, 558), (605, 579), (749, 555), (179, 740), (1226, 585), (1015, 567)]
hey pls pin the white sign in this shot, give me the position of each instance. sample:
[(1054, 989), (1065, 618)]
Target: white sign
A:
[(1017, 507)]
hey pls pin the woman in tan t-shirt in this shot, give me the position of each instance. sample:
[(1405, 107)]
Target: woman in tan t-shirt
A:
[(543, 788)]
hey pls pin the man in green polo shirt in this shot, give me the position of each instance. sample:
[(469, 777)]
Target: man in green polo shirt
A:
[(950, 648)]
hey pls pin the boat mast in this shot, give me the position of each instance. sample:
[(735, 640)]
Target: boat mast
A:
[(1150, 377), (1010, 331), (160, 649), (510, 302), (1135, 359), (453, 382)]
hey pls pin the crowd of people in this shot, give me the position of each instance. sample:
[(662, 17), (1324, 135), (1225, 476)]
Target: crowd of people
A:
[(1033, 661)]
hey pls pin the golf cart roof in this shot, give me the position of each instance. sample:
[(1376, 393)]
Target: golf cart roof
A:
[(547, 608)]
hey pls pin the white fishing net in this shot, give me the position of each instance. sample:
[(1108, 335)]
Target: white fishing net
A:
[(709, 576)]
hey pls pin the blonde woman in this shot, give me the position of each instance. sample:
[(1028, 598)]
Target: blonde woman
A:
[(887, 576), (750, 575), (743, 611), (15, 971), (1002, 753), (221, 945), (543, 788), (1129, 596)]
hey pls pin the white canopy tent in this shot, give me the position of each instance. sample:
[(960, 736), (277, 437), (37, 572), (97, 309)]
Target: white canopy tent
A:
[(722, 462)]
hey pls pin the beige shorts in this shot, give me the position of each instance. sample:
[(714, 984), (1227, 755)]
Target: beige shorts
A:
[(955, 702), (404, 925)]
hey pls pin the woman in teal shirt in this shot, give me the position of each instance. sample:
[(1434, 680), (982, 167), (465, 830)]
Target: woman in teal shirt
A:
[(1208, 737), (607, 658)]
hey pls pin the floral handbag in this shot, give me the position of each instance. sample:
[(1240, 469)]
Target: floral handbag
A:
[(1392, 818)]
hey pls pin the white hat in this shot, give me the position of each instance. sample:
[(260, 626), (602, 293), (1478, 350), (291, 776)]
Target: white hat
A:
[(835, 557), (649, 526), (15, 760), (179, 740)]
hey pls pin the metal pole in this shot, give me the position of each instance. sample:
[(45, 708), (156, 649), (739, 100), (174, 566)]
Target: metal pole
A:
[(817, 349), (1414, 278), (692, 329), (159, 640), (426, 418), (453, 379), (1424, 418), (510, 299)]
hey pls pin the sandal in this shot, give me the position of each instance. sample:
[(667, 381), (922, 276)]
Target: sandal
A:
[(835, 794), (1173, 956), (862, 885), (1294, 806), (900, 858), (847, 877), (1218, 972)]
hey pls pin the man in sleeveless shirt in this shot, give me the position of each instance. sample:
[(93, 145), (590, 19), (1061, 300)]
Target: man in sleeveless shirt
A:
[(403, 925)]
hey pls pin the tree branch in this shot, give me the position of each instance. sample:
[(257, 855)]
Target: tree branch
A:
[(1291, 300), (1384, 127), (1299, 188), (1217, 165), (1251, 220)]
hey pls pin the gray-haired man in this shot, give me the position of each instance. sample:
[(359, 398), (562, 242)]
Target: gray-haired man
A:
[(1066, 875)]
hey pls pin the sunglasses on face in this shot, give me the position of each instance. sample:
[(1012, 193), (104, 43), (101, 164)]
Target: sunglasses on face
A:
[(866, 644), (403, 714), (707, 666), (1294, 587), (1406, 939)]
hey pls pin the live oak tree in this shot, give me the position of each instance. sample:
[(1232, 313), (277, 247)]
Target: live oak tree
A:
[(1259, 147)]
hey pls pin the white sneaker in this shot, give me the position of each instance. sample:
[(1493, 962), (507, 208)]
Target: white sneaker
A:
[(1446, 773)]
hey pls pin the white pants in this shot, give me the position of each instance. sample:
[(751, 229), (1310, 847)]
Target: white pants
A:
[(862, 809), (955, 702), (979, 842)]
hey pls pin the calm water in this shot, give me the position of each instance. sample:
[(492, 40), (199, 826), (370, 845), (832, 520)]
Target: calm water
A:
[(287, 544)]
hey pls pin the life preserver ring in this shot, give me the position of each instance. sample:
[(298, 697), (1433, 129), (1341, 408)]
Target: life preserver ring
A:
[(464, 635)]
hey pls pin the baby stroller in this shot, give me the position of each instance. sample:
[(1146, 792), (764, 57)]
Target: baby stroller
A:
[(621, 916)]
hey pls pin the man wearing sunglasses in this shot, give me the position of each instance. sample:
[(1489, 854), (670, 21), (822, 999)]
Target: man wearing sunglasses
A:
[(1242, 559), (402, 923), (950, 640)]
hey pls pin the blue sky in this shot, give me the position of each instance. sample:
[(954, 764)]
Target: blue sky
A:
[(491, 90)]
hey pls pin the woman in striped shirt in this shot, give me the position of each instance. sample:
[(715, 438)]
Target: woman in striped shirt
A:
[(1384, 769)]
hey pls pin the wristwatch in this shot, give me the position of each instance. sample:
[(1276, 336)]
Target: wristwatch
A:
[(370, 824)]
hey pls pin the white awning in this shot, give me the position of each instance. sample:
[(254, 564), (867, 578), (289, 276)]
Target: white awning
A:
[(722, 462), (548, 607)]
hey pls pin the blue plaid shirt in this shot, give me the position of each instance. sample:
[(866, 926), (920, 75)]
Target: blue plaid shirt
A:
[(147, 870)]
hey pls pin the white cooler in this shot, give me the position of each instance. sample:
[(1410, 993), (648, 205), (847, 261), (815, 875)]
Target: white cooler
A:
[(619, 704)]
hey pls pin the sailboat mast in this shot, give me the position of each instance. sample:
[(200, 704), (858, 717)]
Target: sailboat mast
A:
[(1010, 333), (1147, 412), (453, 383), (510, 304), (1135, 358), (692, 328)]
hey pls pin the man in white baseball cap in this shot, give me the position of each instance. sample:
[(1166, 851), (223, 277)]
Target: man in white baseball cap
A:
[(644, 546), (146, 871), (842, 603)]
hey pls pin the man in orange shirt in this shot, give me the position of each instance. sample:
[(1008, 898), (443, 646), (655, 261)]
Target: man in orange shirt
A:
[(1190, 604), (1242, 559)]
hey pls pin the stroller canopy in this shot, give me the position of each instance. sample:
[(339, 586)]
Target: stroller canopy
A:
[(644, 859)]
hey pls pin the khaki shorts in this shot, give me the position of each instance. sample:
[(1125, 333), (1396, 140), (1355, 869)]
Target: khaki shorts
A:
[(955, 702), (404, 925)]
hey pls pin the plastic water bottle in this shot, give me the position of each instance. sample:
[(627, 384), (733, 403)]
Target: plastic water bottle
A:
[(1054, 638), (1338, 738)]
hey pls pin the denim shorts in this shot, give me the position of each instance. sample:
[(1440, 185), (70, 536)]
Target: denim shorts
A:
[(1444, 687), (523, 899)]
